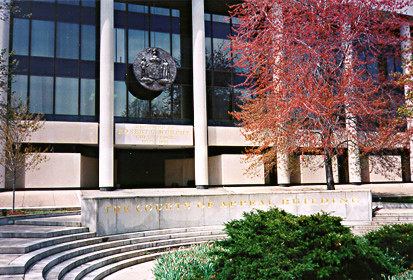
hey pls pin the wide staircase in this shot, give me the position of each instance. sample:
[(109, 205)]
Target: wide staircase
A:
[(60, 248), (383, 217)]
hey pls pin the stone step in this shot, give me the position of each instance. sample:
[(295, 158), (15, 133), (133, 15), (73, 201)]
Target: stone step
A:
[(65, 221), (65, 260), (26, 245), (30, 231), (394, 212), (87, 261), (23, 262), (41, 249), (109, 265)]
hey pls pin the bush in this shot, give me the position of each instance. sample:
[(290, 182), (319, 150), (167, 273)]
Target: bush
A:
[(397, 241), (191, 264), (276, 245)]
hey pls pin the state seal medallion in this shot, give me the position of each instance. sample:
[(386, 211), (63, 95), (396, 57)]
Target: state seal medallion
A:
[(154, 69)]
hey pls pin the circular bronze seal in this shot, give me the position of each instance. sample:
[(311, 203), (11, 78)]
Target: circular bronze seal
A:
[(154, 69)]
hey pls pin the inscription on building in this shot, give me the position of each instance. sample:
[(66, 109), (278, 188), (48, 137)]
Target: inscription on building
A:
[(136, 134), (232, 203)]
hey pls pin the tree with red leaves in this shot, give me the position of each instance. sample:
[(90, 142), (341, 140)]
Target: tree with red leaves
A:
[(318, 78)]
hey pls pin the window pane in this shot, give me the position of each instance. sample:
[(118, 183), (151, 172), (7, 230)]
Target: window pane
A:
[(138, 8), (161, 105), (176, 48), (69, 2), (160, 11), (222, 103), (67, 40), (161, 40), (21, 36), (138, 108), (19, 87), (88, 3), (176, 103), (42, 38), (88, 43), (120, 99), (67, 92), (138, 41), (87, 97), (120, 45), (41, 94)]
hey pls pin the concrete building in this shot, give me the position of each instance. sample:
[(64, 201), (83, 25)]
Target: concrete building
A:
[(75, 60)]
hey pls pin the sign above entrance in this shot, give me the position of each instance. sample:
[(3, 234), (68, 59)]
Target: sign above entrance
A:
[(154, 69), (153, 135)]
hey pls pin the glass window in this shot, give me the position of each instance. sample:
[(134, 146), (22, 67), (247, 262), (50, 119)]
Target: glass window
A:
[(120, 45), (137, 8), (67, 43), (176, 47), (222, 103), (42, 38), (89, 3), (88, 42), (161, 105), (175, 13), (160, 11), (69, 2), (87, 97), (67, 92), (120, 99), (138, 108), (41, 94), (21, 36), (138, 41), (19, 87), (161, 40), (120, 6)]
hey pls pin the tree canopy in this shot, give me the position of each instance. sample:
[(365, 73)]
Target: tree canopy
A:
[(320, 76)]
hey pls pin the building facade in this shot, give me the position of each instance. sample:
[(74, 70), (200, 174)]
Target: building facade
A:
[(75, 66)]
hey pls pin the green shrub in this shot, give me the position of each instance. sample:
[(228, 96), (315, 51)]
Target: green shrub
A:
[(190, 264), (276, 245), (396, 240)]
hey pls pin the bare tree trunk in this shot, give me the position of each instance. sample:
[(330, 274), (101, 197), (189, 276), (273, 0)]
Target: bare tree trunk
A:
[(14, 189), (329, 172)]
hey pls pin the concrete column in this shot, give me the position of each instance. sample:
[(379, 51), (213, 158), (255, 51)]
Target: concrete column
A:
[(407, 59), (199, 82), (283, 169), (354, 165), (4, 45), (106, 118)]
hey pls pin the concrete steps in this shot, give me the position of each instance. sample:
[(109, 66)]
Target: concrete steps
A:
[(384, 217), (58, 248)]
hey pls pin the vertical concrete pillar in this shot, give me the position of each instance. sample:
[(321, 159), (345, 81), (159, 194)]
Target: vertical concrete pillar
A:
[(283, 169), (106, 118), (199, 82), (354, 164), (407, 59), (4, 45)]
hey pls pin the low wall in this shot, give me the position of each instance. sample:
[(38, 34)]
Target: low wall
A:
[(128, 211)]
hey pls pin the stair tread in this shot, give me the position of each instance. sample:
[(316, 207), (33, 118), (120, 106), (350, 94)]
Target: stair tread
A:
[(115, 247)]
